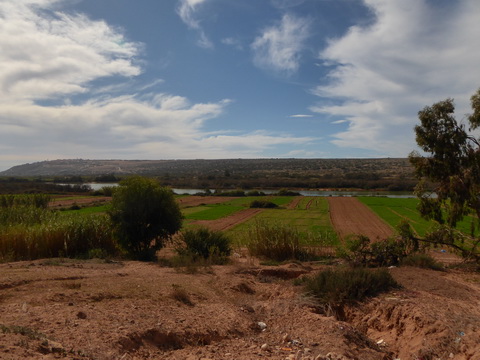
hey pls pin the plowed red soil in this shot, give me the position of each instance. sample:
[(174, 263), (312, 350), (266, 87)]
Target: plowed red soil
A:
[(350, 216)]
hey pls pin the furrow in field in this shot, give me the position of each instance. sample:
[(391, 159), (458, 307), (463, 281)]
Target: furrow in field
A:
[(229, 221)]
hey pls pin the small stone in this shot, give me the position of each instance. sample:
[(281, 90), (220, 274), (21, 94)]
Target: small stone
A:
[(286, 338), (261, 325), (81, 315), (265, 347)]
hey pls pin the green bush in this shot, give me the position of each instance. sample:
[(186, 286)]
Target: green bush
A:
[(144, 215), (263, 204), (205, 244), (275, 242), (359, 250), (333, 288)]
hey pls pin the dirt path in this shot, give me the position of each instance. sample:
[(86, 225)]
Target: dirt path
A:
[(61, 203), (350, 216), (293, 204), (229, 221)]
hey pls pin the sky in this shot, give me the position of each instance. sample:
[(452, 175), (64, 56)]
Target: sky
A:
[(216, 79)]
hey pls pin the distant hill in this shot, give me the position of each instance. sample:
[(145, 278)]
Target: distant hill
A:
[(383, 174), (380, 168)]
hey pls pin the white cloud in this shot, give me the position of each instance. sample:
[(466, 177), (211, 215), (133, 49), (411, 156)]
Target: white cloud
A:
[(44, 56), (187, 10), (415, 53), (279, 47), (49, 57), (301, 116), (230, 41)]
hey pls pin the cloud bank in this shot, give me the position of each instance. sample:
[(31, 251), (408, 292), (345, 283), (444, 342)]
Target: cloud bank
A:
[(50, 107), (414, 53)]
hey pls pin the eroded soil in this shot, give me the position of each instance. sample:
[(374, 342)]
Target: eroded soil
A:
[(130, 310)]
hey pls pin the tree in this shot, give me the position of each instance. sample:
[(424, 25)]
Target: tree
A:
[(144, 215), (452, 170)]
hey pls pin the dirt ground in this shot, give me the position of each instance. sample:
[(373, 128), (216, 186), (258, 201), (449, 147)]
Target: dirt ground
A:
[(350, 216), (75, 309)]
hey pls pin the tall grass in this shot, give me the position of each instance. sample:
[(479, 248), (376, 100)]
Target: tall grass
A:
[(35, 200), (29, 233), (275, 242)]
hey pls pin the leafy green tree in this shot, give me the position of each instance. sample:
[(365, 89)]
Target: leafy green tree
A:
[(451, 172), (144, 215)]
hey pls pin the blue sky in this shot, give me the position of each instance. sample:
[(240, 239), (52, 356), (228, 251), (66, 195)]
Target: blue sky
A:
[(187, 79)]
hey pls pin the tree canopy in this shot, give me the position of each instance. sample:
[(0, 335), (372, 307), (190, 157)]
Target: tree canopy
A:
[(144, 215), (449, 186)]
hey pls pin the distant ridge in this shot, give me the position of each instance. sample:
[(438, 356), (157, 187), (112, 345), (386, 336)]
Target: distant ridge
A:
[(314, 167)]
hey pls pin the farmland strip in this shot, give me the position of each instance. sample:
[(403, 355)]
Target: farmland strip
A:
[(229, 221), (350, 216)]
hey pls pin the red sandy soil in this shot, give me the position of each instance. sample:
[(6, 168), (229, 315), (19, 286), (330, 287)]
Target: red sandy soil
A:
[(90, 201), (72, 309), (350, 216)]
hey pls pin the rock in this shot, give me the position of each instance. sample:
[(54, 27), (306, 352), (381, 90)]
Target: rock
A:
[(261, 325), (265, 347), (286, 338), (81, 315)]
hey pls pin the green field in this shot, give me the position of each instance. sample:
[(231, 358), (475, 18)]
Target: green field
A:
[(218, 211), (394, 210), (313, 223)]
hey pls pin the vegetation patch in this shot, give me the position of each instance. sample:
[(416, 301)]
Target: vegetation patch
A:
[(263, 204), (276, 242), (202, 243), (336, 287), (423, 261)]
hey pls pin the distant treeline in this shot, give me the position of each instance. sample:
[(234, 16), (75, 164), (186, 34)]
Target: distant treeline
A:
[(275, 182), (38, 186), (226, 180)]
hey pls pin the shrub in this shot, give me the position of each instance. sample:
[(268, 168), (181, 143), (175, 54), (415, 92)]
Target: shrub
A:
[(275, 242), (359, 250), (205, 244), (423, 261), (144, 215), (286, 192), (333, 288), (255, 193), (263, 204)]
